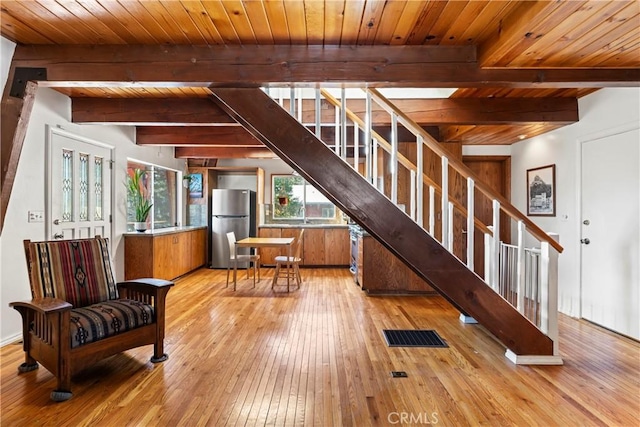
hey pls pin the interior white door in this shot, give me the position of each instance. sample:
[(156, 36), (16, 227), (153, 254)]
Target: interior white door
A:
[(79, 187), (610, 255)]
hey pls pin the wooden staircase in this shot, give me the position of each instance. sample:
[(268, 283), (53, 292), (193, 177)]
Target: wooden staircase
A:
[(345, 187)]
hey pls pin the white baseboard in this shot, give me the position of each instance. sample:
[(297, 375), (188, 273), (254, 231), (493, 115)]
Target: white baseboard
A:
[(11, 339), (533, 359)]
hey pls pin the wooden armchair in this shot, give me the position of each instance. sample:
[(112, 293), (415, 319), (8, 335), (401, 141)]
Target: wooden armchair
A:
[(79, 315)]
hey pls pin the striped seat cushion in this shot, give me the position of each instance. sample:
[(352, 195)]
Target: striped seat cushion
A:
[(108, 318), (76, 271)]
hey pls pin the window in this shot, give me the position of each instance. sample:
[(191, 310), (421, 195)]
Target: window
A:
[(161, 183), (294, 198)]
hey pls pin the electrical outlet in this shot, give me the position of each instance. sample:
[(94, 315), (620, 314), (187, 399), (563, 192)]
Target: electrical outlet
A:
[(36, 216)]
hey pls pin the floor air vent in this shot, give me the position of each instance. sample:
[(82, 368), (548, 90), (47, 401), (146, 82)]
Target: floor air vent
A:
[(413, 338)]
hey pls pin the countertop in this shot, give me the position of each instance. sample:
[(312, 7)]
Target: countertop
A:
[(163, 231)]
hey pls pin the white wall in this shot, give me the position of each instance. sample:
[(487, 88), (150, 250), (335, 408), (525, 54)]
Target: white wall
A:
[(54, 109), (602, 111), (270, 167)]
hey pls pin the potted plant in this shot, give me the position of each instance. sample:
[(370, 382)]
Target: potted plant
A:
[(138, 198)]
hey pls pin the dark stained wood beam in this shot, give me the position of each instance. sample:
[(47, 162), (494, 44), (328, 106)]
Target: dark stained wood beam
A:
[(195, 111), (14, 121), (237, 136), (207, 66), (345, 187), (224, 153), (148, 111), (218, 136), (479, 111)]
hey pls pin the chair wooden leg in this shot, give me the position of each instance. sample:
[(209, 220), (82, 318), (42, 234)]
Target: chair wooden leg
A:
[(254, 273), (228, 271), (297, 273), (275, 276)]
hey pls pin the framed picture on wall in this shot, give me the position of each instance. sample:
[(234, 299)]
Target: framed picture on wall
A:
[(541, 191), (195, 186)]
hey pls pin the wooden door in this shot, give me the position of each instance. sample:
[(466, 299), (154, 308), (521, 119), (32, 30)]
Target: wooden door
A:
[(494, 171), (610, 260)]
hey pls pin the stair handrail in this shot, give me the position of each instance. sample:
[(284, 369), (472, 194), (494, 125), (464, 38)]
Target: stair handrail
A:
[(463, 170), (404, 161)]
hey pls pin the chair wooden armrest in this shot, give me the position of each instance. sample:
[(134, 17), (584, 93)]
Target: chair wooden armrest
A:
[(146, 282), (43, 305)]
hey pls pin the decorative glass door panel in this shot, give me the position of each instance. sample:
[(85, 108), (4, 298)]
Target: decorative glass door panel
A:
[(79, 188)]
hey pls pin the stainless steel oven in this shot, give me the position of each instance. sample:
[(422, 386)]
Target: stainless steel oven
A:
[(354, 233)]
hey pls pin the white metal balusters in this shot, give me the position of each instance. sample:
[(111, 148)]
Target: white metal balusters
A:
[(470, 223)]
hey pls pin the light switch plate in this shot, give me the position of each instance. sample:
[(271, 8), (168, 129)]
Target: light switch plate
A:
[(36, 216)]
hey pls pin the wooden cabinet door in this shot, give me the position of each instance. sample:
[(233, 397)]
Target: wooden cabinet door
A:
[(163, 260), (138, 259), (197, 248), (313, 247), (337, 246), (268, 255)]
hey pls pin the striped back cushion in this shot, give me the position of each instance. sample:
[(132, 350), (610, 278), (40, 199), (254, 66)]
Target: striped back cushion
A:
[(77, 271)]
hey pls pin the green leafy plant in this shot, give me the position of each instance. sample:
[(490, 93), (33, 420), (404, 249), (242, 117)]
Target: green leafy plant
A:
[(136, 193)]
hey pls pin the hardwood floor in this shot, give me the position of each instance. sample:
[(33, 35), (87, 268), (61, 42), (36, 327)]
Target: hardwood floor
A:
[(317, 357)]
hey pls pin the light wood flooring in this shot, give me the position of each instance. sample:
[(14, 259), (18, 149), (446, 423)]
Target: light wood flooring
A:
[(316, 356)]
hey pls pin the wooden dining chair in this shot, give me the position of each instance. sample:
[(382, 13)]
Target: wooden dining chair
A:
[(235, 260), (290, 265)]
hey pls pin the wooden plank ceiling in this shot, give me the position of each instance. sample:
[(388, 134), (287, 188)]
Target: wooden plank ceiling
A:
[(506, 35)]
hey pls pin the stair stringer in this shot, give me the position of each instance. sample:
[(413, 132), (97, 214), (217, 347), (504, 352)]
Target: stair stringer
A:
[(346, 188)]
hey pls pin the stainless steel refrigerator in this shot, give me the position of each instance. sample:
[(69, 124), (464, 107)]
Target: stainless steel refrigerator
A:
[(231, 210)]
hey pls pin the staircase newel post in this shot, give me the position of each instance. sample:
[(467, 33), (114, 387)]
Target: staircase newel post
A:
[(549, 291)]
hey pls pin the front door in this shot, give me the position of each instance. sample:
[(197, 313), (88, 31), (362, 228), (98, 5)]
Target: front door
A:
[(610, 253), (79, 187)]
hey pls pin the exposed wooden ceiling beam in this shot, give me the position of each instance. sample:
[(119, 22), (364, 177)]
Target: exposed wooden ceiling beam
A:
[(194, 136), (206, 66), (224, 153), (149, 111), (198, 111), (479, 111)]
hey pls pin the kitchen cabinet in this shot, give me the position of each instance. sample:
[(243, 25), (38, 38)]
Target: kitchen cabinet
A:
[(381, 272), (313, 246), (164, 254), (337, 246), (268, 255), (321, 246)]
